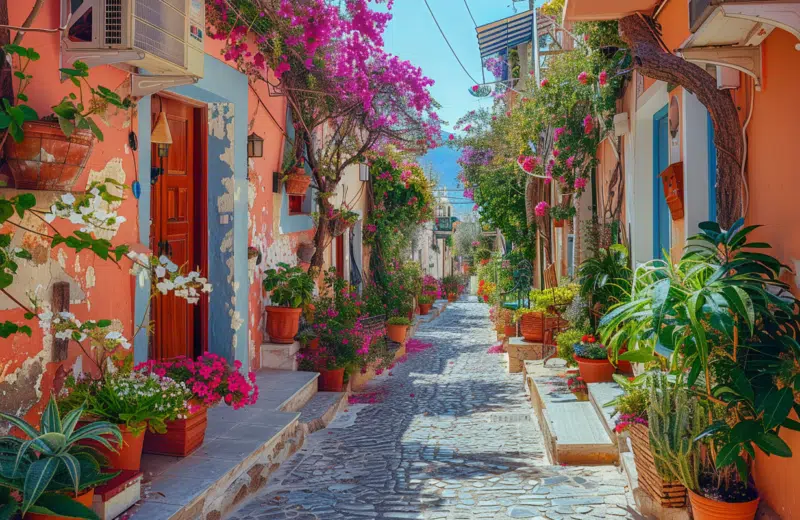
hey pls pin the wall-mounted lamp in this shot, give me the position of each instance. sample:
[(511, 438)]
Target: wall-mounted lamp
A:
[(255, 145), (363, 172), (161, 135)]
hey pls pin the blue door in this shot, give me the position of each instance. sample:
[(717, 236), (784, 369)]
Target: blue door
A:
[(661, 216), (712, 172)]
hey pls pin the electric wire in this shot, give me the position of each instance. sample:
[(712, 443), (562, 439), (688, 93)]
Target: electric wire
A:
[(448, 42)]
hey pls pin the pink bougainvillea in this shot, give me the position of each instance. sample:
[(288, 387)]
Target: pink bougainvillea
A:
[(583, 78), (544, 83), (602, 78), (541, 208), (580, 183), (588, 124)]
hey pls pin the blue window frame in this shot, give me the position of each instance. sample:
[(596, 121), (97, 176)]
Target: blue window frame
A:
[(712, 172), (662, 222)]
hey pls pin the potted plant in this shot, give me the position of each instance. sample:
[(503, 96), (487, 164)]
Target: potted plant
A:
[(134, 402), (297, 180), (341, 220), (560, 213), (531, 324), (397, 328), (425, 303), (565, 341), (290, 288), (578, 387), (728, 324), (308, 338), (451, 286), (51, 472), (592, 359), (211, 380)]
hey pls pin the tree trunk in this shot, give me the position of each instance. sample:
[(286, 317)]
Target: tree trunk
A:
[(6, 86), (650, 59)]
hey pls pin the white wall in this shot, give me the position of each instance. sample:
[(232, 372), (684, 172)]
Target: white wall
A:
[(695, 163)]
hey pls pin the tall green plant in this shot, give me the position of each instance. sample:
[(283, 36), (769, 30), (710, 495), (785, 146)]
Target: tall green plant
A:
[(605, 278)]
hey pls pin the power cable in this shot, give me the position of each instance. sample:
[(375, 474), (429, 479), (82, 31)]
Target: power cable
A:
[(470, 14), (448, 43)]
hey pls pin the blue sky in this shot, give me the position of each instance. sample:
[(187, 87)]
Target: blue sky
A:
[(412, 35)]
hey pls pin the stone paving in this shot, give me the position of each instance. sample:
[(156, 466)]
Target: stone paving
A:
[(453, 438)]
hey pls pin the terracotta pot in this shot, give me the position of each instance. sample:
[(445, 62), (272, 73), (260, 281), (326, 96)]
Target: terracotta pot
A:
[(183, 436), (452, 298), (84, 499), (338, 226), (46, 159), (667, 494), (397, 333), (595, 370), (558, 223), (532, 326), (707, 509), (297, 183), (331, 380), (305, 252), (425, 308), (127, 456), (510, 331), (624, 366), (283, 324)]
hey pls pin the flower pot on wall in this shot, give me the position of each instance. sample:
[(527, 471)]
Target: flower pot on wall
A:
[(510, 331), (331, 380), (397, 333), (283, 323), (338, 226), (707, 509), (128, 455), (297, 182), (595, 370), (532, 326), (672, 178), (183, 436), (84, 499), (452, 297), (558, 223), (46, 159)]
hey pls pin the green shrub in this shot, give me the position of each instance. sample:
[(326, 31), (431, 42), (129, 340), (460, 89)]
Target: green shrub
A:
[(398, 320), (565, 342)]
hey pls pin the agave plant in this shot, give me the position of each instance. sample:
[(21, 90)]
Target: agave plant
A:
[(722, 317), (49, 463)]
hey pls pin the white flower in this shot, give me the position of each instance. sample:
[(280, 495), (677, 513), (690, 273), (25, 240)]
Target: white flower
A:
[(68, 198), (49, 217), (95, 192), (172, 267), (76, 218), (114, 335), (160, 272), (207, 287), (46, 317), (165, 286), (66, 315), (120, 219), (163, 260), (64, 334)]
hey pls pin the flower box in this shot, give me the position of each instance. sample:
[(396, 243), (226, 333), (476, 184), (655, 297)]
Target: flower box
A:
[(183, 436), (672, 178), (668, 494), (46, 159)]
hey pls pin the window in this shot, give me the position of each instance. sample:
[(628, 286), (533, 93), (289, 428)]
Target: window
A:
[(296, 204)]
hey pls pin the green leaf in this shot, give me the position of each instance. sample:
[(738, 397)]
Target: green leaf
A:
[(5, 120), (73, 468), (742, 303), (638, 356), (39, 475), (6, 210), (28, 113), (771, 444), (66, 125), (95, 129), (727, 454), (51, 420), (50, 443), (15, 130), (17, 115), (746, 431), (26, 428), (62, 505), (777, 406)]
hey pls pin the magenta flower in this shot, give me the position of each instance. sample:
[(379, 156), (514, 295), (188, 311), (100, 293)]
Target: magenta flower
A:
[(602, 78), (541, 209), (475, 88), (570, 161), (583, 78), (580, 183), (588, 124), (544, 83), (558, 132), (451, 137)]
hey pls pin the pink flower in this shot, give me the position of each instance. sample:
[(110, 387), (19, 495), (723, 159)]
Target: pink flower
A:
[(558, 132), (548, 178), (556, 152), (570, 161), (451, 137), (588, 124), (602, 78), (475, 88), (541, 208), (580, 183), (583, 78), (544, 83)]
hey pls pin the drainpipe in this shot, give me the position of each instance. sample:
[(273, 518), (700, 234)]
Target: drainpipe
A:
[(535, 43)]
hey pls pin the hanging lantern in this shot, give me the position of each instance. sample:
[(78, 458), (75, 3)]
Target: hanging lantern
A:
[(161, 135), (255, 145)]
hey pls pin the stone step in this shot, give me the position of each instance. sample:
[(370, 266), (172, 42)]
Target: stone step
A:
[(321, 409), (279, 356), (572, 430), (599, 395), (285, 390)]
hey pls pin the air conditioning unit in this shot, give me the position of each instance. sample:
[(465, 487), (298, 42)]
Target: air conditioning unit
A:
[(163, 38)]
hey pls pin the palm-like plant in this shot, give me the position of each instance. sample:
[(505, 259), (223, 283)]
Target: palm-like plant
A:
[(725, 320), (605, 278), (50, 462)]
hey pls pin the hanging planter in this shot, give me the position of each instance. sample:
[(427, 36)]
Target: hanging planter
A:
[(341, 221), (297, 181), (46, 159), (672, 178)]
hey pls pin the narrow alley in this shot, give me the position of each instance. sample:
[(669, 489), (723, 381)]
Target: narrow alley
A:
[(450, 435)]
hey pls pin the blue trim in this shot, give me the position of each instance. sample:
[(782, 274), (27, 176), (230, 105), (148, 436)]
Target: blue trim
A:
[(294, 223), (660, 115), (712, 172), (229, 298)]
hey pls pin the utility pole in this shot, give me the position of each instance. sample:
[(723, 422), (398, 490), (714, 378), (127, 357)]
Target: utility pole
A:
[(535, 43)]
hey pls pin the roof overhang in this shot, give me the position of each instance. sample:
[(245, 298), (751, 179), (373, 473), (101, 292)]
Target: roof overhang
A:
[(598, 10), (509, 32)]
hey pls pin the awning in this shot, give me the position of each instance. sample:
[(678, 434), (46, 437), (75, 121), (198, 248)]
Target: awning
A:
[(509, 32)]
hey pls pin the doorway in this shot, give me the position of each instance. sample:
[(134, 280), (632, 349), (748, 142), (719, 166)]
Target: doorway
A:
[(179, 228), (661, 217)]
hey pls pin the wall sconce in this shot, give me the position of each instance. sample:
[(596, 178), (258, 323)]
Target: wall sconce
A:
[(255, 145), (161, 135), (363, 172)]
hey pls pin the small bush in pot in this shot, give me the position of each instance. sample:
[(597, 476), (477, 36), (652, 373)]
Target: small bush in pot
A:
[(425, 303), (397, 328), (565, 341), (592, 359), (48, 468), (290, 289)]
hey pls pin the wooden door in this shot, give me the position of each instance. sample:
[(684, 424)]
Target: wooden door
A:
[(340, 256), (177, 220)]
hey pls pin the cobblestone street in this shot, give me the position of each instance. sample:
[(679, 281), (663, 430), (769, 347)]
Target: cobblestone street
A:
[(451, 436)]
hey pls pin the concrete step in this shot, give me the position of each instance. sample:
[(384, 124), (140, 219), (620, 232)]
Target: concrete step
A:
[(599, 395), (279, 356), (321, 409), (572, 430), (285, 390)]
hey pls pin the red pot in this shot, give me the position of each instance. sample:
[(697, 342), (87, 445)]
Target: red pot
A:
[(624, 366), (128, 455), (297, 183), (183, 436), (331, 380), (595, 370), (425, 308), (558, 223), (707, 509), (283, 324), (532, 326), (84, 499), (452, 297), (397, 333)]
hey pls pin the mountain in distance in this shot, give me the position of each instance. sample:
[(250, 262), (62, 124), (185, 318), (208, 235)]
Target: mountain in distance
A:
[(442, 160)]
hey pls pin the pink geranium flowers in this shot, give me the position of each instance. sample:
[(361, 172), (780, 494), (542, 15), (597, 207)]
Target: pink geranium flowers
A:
[(541, 209), (583, 78)]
